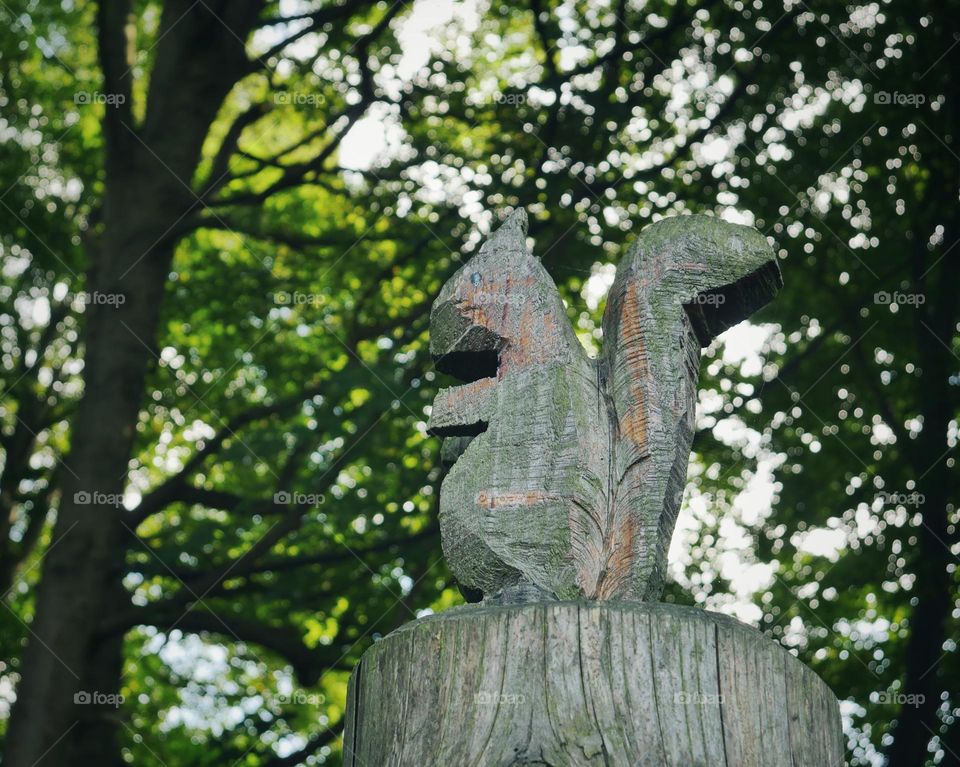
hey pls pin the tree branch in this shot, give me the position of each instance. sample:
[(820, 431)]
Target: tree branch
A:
[(286, 564), (220, 169), (309, 664), (295, 174), (318, 19), (158, 498)]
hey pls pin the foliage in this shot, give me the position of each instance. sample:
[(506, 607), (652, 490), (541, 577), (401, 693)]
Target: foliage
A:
[(281, 491)]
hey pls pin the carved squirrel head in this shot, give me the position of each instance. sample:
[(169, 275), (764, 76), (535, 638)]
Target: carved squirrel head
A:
[(499, 311)]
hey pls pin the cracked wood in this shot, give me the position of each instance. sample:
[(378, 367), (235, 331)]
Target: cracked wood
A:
[(567, 472)]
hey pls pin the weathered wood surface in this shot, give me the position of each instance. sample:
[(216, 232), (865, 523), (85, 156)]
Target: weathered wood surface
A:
[(563, 683), (568, 472)]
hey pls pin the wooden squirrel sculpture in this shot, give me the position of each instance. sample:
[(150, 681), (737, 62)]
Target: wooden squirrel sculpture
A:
[(568, 472)]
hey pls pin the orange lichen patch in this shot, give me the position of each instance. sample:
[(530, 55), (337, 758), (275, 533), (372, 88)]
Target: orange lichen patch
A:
[(531, 338), (514, 285), (504, 310), (512, 499), (614, 579), (457, 397), (463, 405), (634, 422), (518, 354), (476, 310), (538, 339)]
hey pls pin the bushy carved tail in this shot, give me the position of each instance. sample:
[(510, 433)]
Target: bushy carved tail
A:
[(684, 281)]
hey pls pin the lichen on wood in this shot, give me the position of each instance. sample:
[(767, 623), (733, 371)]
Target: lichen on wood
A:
[(565, 478), (558, 684), (567, 472)]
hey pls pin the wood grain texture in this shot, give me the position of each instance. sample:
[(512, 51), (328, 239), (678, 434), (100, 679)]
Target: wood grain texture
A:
[(567, 472), (566, 683)]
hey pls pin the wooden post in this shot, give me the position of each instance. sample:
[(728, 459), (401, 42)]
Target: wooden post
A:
[(565, 481), (567, 683)]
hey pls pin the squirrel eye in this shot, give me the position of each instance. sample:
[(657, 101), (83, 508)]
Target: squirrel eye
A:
[(476, 278)]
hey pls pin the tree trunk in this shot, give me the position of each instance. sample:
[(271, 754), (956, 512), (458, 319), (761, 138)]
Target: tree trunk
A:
[(84, 562), (918, 721), (199, 55), (934, 589), (565, 683), (99, 721)]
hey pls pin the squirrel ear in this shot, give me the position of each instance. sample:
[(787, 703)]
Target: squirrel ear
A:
[(510, 236), (517, 219)]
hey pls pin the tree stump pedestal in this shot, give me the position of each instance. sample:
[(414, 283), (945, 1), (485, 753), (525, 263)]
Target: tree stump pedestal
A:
[(587, 683)]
